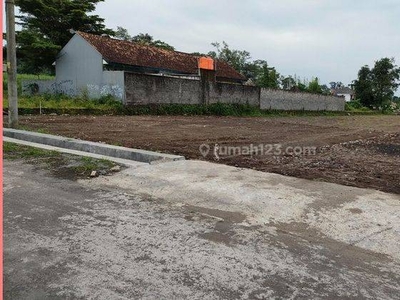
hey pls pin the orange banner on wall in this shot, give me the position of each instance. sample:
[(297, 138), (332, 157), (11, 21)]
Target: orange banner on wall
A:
[(206, 63)]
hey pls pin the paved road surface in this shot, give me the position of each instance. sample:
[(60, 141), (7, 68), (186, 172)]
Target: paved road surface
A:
[(194, 230)]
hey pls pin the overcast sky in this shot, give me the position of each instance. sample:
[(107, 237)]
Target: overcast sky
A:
[(324, 38)]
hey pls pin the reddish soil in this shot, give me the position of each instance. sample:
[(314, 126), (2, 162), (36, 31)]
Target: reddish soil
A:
[(361, 151)]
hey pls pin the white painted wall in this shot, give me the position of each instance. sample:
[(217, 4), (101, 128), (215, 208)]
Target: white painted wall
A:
[(346, 96), (79, 65), (114, 84)]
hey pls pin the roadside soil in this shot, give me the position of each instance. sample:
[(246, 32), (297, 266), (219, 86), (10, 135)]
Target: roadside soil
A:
[(61, 165), (360, 151)]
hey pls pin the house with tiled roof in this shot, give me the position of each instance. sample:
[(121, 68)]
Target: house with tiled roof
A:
[(345, 92), (98, 65)]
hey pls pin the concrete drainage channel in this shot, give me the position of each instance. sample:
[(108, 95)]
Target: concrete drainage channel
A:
[(104, 150)]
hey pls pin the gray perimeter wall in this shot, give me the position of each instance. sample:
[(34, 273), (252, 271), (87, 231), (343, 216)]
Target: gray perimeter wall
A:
[(112, 84), (149, 89), (286, 100), (234, 93), (30, 87), (139, 89)]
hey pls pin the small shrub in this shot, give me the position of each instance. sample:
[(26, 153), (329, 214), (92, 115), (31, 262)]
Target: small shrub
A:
[(85, 95), (356, 105), (109, 102)]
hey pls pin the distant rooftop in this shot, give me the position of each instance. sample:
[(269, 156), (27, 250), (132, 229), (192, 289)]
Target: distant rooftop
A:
[(133, 54), (343, 90)]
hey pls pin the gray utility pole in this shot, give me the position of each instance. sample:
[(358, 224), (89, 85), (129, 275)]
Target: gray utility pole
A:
[(12, 65)]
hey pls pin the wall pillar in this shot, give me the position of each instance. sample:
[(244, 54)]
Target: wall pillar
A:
[(208, 80)]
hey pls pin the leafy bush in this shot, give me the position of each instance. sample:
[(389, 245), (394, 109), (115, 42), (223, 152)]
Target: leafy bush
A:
[(63, 104), (60, 101), (390, 107), (356, 105), (108, 100), (216, 109)]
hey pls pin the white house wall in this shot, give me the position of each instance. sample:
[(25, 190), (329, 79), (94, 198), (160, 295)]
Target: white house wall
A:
[(113, 84), (78, 67), (346, 96)]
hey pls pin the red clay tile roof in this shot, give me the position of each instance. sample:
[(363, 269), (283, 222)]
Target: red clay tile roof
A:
[(343, 90), (128, 53)]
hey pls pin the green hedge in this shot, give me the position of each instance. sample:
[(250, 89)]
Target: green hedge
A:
[(219, 109)]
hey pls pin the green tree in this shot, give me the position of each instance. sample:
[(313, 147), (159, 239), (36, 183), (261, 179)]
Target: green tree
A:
[(35, 52), (314, 86), (288, 82), (336, 84), (122, 34), (47, 25), (363, 87), (147, 39), (266, 76), (385, 76), (259, 71), (376, 87), (325, 89), (238, 59)]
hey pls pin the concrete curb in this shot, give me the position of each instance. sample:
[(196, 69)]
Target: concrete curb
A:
[(91, 147), (120, 161)]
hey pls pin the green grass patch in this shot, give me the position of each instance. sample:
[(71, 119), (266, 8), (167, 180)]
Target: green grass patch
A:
[(77, 107), (356, 106), (62, 165), (15, 151), (62, 104), (87, 164), (221, 109)]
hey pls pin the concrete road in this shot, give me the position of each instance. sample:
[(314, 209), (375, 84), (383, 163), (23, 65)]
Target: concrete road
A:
[(195, 230)]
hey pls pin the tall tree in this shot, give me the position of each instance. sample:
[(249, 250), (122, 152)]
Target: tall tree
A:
[(238, 59), (288, 82), (147, 39), (47, 26), (142, 38), (259, 71), (385, 76), (314, 86), (363, 87), (122, 34), (336, 84), (376, 87), (266, 76), (325, 89)]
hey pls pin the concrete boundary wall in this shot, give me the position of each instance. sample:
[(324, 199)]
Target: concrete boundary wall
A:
[(140, 89), (234, 93), (287, 100), (40, 87), (112, 84), (151, 89)]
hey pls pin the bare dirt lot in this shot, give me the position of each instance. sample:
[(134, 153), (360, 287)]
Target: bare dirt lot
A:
[(362, 151)]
